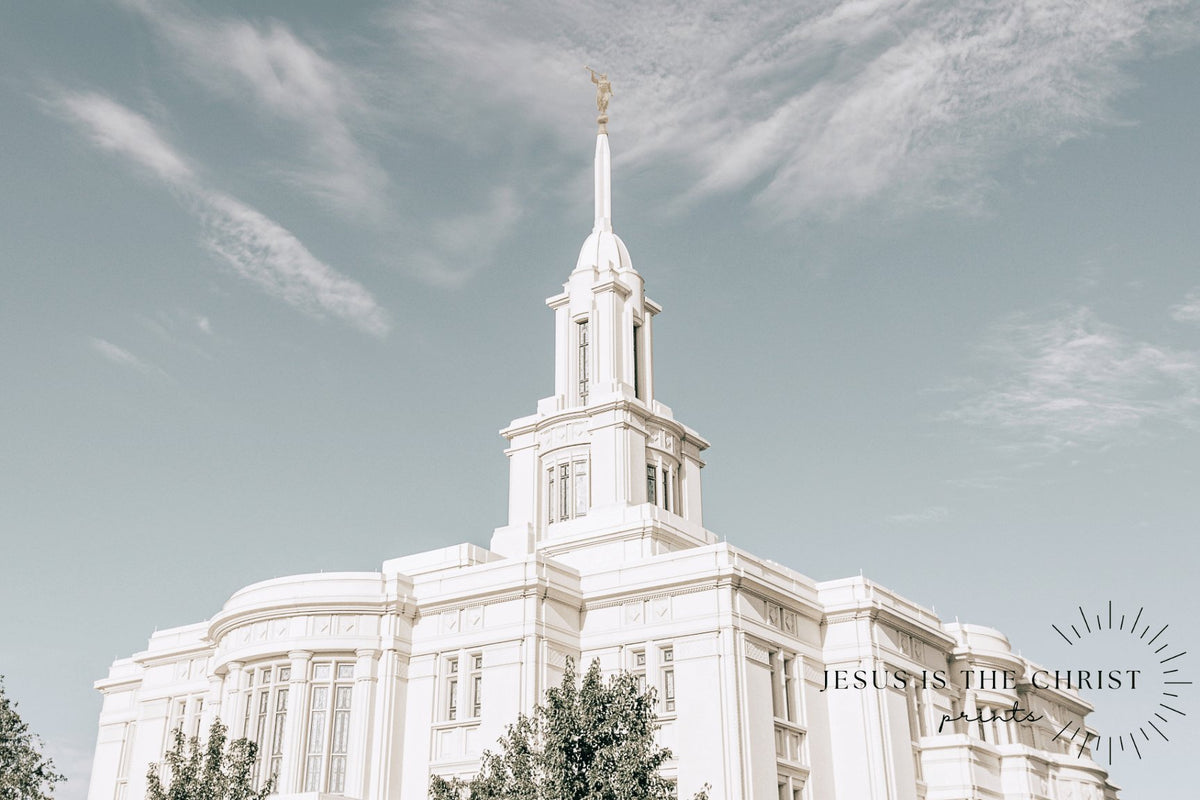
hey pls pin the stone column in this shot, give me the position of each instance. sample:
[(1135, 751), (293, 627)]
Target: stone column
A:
[(362, 704), (233, 707), (292, 766), (212, 703)]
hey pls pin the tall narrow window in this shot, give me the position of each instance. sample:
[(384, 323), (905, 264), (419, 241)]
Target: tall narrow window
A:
[(452, 689), (329, 727), (568, 491), (776, 662), (476, 684), (281, 704), (668, 679), (564, 491), (639, 669), (666, 489), (637, 361), (341, 738), (266, 713), (916, 724), (789, 689), (651, 485), (580, 476), (583, 362), (197, 713), (316, 739), (178, 715)]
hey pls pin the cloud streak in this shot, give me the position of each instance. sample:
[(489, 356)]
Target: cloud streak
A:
[(813, 109), (271, 71), (122, 357), (460, 246), (1075, 380), (1189, 309), (926, 516), (254, 246)]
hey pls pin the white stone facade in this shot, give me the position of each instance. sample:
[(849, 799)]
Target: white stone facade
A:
[(363, 685)]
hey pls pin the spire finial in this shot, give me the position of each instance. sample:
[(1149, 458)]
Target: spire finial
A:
[(603, 93)]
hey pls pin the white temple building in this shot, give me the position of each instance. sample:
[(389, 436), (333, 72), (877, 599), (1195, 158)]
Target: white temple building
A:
[(364, 684)]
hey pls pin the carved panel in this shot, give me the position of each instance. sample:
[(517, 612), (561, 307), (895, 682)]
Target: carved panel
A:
[(660, 609), (556, 658), (475, 618), (756, 652)]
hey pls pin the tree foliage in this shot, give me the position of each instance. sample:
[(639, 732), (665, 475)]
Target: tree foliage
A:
[(25, 774), (207, 770), (594, 741)]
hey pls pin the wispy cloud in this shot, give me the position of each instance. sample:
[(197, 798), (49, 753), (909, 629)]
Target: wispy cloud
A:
[(924, 517), (1189, 309), (122, 357), (272, 71), (257, 248), (815, 108), (113, 127), (1073, 379), (267, 254), (460, 246)]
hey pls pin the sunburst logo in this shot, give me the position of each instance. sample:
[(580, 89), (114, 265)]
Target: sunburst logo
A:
[(1132, 673)]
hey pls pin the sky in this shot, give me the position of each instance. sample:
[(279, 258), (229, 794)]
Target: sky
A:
[(273, 279)]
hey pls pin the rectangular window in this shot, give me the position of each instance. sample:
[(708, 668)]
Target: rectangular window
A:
[(476, 685), (651, 485), (564, 491), (789, 689), (666, 487), (316, 738), (583, 362), (581, 487), (568, 491), (178, 712), (776, 662), (637, 362), (452, 689), (341, 739), (329, 728), (196, 714), (668, 680), (639, 669)]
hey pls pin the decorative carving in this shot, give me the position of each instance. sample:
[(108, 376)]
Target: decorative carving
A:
[(660, 608), (635, 612), (756, 652), (556, 658), (475, 618)]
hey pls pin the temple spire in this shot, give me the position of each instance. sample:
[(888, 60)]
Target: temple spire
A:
[(603, 185), (603, 167)]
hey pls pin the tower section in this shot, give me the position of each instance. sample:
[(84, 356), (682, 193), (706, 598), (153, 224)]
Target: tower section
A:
[(602, 472)]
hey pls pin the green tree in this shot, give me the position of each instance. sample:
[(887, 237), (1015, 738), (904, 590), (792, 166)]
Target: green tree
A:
[(207, 770), (25, 774), (594, 741)]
